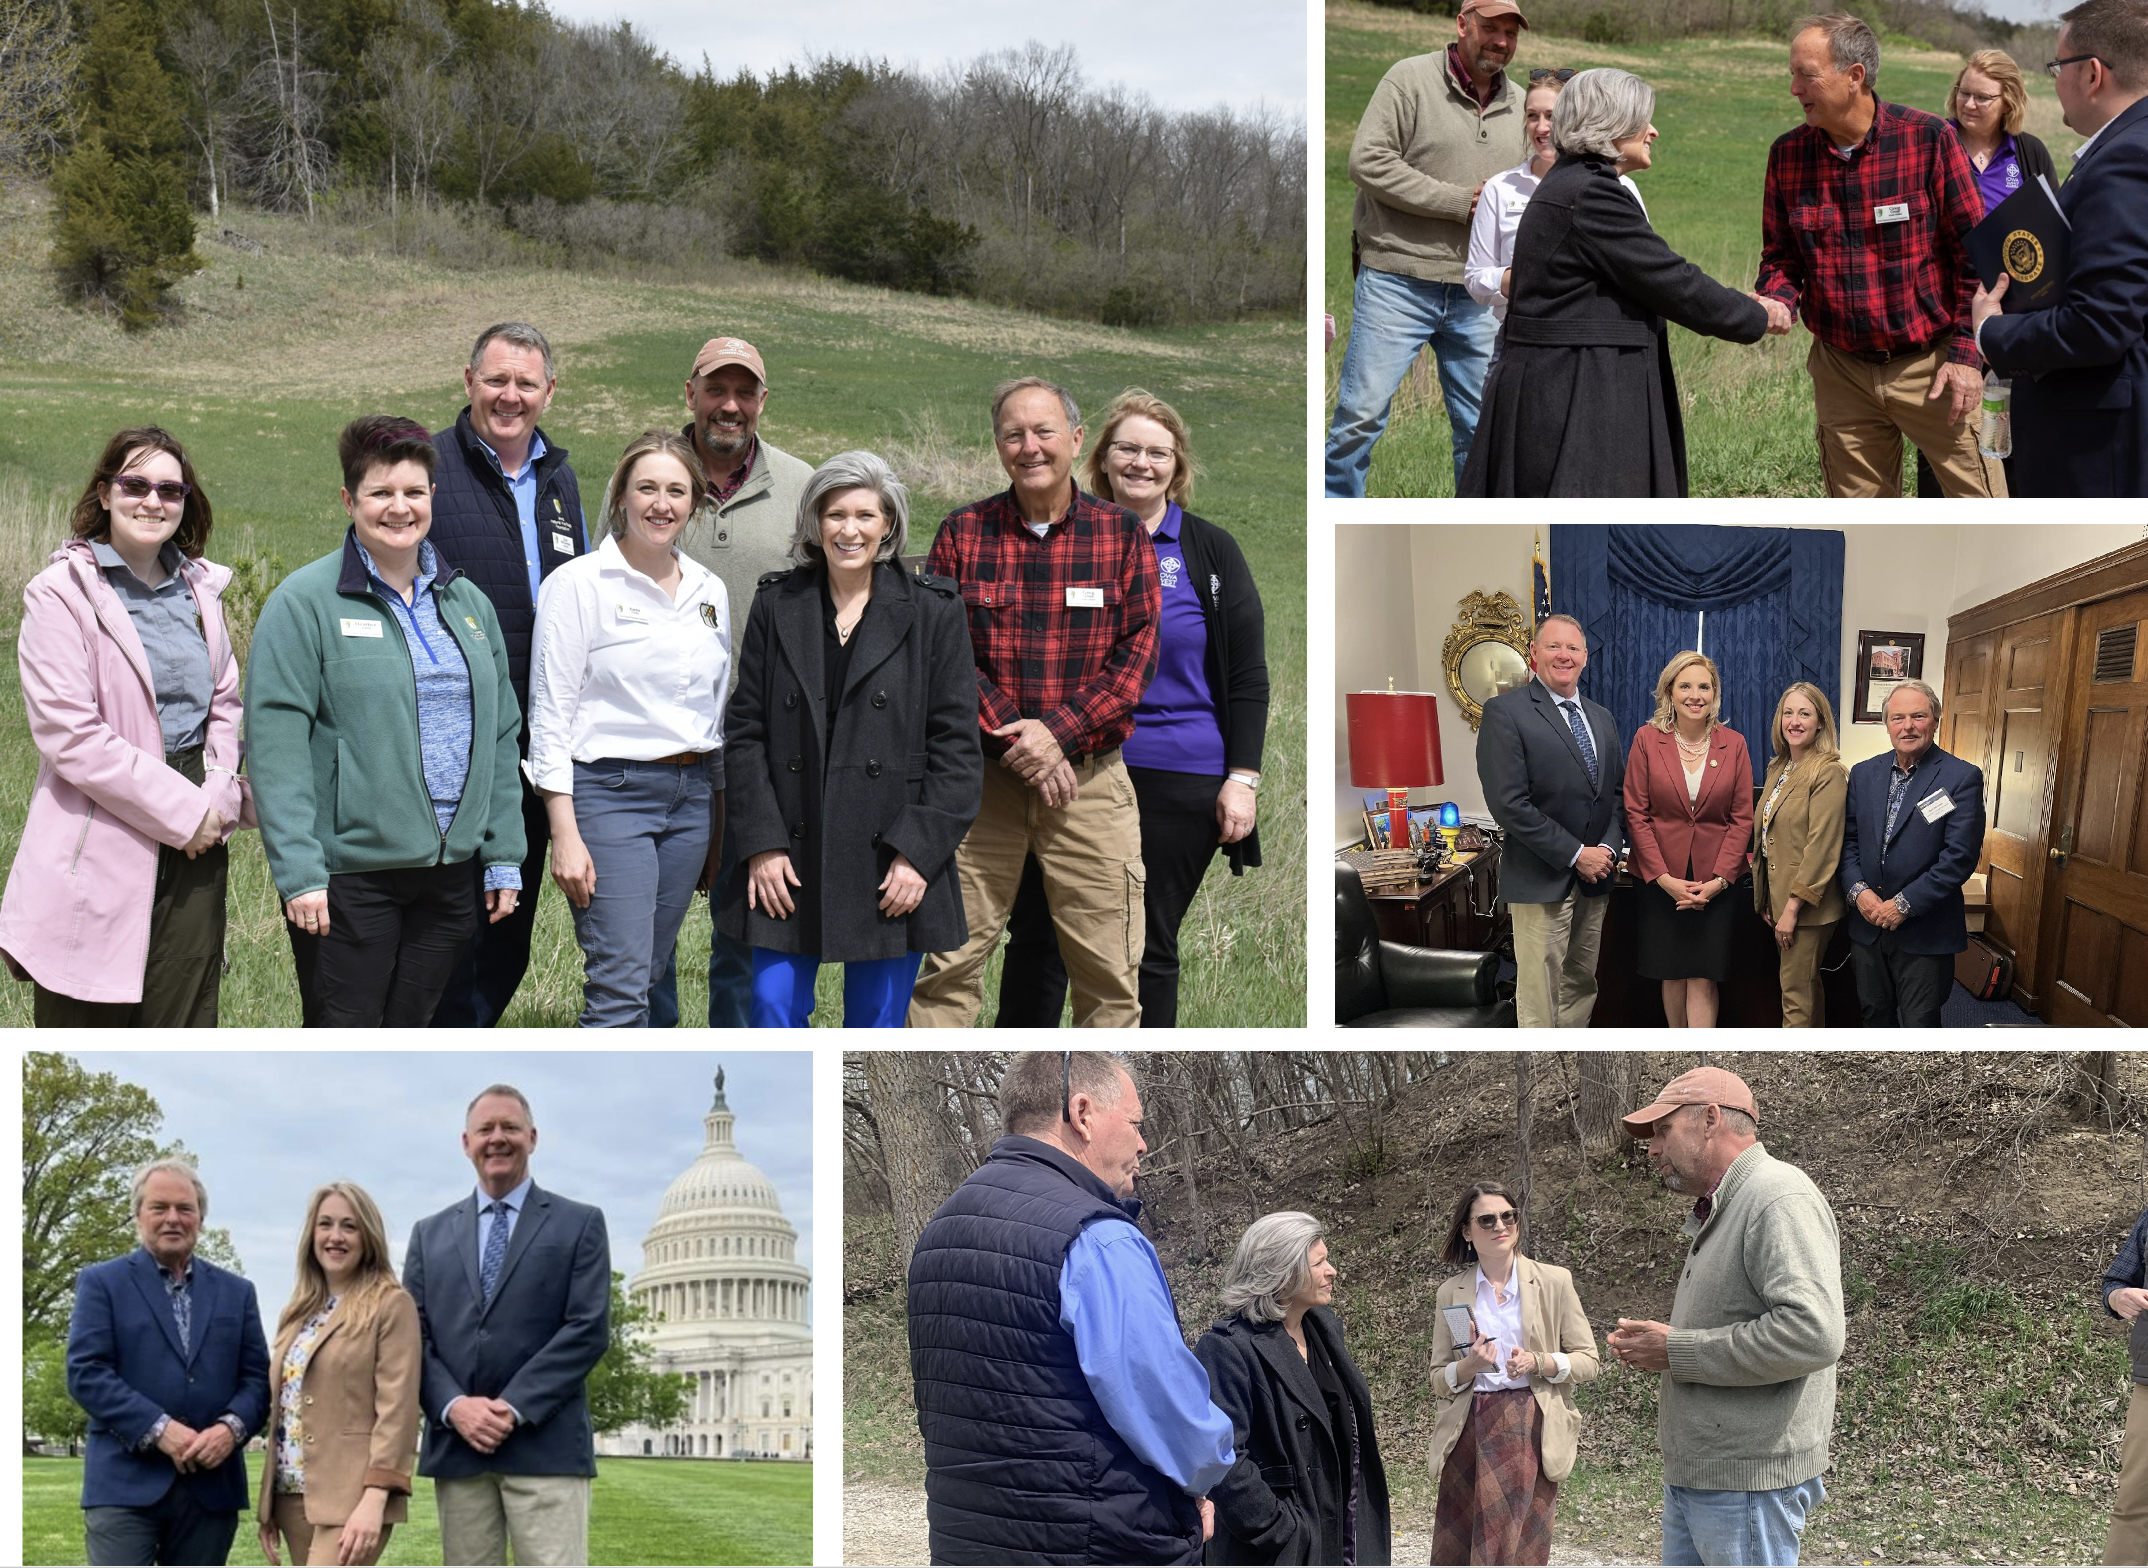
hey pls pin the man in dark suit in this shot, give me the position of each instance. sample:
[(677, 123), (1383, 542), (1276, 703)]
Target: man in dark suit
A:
[(165, 1354), (1553, 767), (513, 1287), (1914, 832), (2080, 367)]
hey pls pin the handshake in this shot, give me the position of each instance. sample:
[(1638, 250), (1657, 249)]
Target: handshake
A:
[(1778, 314)]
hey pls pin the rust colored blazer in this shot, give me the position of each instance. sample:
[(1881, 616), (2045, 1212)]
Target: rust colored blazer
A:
[(360, 1414), (1714, 829)]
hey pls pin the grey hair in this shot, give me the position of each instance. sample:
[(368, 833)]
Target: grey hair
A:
[(851, 471), (1850, 41), (1272, 1265), (170, 1164), (1930, 696), (1007, 389), (519, 333), (1599, 109), (501, 1091), (1029, 1101)]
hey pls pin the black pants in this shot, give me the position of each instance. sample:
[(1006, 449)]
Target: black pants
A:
[(393, 940), (497, 956), (1897, 989), (173, 1529), (1179, 837)]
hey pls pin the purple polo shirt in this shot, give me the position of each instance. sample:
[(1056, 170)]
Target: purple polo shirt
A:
[(2001, 177), (1175, 726)]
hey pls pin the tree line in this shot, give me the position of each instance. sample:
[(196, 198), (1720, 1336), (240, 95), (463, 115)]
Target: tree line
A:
[(1961, 28)]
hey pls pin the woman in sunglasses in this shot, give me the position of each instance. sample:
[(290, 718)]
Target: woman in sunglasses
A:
[(115, 905), (1507, 1427)]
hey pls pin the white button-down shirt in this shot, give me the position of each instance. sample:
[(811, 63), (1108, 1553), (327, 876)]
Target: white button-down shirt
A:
[(1500, 204), (620, 669), (1500, 1322)]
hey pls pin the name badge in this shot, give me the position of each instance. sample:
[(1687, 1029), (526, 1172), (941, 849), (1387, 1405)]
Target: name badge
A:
[(636, 614), (1935, 805), (476, 630), (563, 543), (1515, 201), (1085, 598), (353, 628), (1893, 212)]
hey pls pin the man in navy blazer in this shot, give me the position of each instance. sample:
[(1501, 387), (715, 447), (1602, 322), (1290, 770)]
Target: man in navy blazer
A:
[(165, 1354), (1563, 809), (2080, 367), (1913, 836), (513, 1286)]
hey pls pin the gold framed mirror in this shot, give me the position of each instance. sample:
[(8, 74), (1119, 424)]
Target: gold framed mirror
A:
[(1487, 652)]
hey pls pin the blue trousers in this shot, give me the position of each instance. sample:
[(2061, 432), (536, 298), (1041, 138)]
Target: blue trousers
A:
[(646, 827), (1392, 317), (1737, 1527), (876, 992), (730, 962)]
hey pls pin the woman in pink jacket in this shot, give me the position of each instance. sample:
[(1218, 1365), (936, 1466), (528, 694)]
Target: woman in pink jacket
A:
[(115, 904)]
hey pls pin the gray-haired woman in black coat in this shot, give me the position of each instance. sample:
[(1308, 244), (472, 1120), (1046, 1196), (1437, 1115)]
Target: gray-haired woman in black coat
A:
[(853, 759), (1308, 1486)]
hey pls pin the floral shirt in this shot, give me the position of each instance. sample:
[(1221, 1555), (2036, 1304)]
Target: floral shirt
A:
[(290, 1419)]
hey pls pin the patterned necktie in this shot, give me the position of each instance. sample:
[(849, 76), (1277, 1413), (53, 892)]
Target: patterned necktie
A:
[(488, 1267), (1580, 727), (182, 1310)]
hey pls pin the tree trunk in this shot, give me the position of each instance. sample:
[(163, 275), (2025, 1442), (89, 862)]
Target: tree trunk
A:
[(2095, 1084), (914, 1136), (1522, 1115), (1199, 1222), (1610, 1084)]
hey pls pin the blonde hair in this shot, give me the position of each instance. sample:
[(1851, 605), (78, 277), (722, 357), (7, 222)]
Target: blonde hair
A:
[(1825, 743), (375, 1284), (1135, 403), (671, 444), (1663, 718), (2013, 91)]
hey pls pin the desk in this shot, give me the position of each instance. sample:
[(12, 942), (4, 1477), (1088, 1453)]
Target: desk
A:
[(1458, 910), (1752, 995)]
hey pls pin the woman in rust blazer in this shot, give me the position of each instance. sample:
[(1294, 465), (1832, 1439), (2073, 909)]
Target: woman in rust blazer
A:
[(1689, 817), (1803, 801), (343, 1385)]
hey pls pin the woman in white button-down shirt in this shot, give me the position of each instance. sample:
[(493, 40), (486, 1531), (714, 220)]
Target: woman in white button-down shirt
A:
[(628, 672)]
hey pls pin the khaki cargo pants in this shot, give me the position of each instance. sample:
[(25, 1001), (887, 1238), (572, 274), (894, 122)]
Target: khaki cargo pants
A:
[(1090, 854), (1864, 412)]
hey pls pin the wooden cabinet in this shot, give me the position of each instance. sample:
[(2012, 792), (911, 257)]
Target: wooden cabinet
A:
[(1457, 910)]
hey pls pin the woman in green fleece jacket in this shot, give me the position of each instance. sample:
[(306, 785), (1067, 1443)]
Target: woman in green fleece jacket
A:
[(380, 738)]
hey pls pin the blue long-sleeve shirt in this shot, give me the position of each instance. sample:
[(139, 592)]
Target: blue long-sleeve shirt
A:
[(1114, 1300), (2132, 1266)]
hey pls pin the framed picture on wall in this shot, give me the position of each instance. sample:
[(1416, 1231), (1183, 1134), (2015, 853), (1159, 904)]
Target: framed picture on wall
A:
[(1884, 661)]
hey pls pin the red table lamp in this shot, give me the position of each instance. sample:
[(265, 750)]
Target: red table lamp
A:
[(1394, 745)]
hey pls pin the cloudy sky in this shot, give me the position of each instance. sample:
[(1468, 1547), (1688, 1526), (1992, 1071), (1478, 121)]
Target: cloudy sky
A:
[(1186, 54), (613, 1129)]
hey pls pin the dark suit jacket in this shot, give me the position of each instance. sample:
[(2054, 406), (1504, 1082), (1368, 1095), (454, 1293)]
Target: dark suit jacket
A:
[(2080, 368), (1927, 862), (1711, 831), (1537, 788), (534, 1346), (125, 1369)]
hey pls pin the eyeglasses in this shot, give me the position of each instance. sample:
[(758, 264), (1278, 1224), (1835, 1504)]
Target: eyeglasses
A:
[(1562, 75), (1978, 100), (1127, 452), (2056, 66), (135, 488), (1503, 1220)]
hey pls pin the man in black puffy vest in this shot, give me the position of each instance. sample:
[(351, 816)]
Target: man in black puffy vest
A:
[(506, 511), (1064, 1419)]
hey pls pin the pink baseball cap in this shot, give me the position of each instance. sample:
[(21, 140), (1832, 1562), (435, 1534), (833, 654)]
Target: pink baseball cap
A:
[(1491, 8), (1701, 1086), (729, 351)]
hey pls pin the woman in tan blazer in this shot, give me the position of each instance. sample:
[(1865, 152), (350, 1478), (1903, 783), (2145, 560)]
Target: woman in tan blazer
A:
[(343, 1392), (1507, 1427), (1803, 800)]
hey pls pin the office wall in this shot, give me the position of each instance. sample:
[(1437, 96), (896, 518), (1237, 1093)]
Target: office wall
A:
[(1375, 641)]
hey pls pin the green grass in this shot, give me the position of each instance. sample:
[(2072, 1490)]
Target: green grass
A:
[(1719, 105), (279, 350), (640, 1511)]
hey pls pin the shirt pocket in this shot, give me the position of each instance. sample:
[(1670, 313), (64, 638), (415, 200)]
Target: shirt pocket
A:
[(1902, 239), (1083, 617), (1818, 227), (988, 606)]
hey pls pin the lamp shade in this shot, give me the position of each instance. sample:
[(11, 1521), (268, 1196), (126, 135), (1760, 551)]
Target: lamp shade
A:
[(1394, 739)]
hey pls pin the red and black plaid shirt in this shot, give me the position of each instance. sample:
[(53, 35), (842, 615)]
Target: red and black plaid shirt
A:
[(1868, 286), (1080, 669)]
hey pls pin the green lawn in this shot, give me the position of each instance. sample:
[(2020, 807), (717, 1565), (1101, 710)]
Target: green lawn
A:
[(1719, 104), (641, 1511), (279, 350)]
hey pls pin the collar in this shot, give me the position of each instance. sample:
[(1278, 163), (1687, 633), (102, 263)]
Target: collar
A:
[(610, 558), (1894, 762), (1513, 1279), (1880, 109), (428, 568), (516, 1200), (1555, 697), (1020, 1146), (2081, 151), (1459, 74), (185, 1275), (1168, 529), (168, 557), (537, 450), (1014, 509)]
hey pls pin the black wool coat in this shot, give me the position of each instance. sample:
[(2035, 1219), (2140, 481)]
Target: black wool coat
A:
[(904, 772), (1582, 401), (1283, 1500)]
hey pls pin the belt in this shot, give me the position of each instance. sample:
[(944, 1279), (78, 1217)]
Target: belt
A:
[(680, 759), (1579, 333), (1887, 356)]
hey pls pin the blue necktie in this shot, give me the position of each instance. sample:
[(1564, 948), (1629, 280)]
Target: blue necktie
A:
[(488, 1267), (1580, 727)]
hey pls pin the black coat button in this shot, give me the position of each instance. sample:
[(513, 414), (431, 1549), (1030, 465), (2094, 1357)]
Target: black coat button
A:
[(791, 701), (798, 830), (797, 764), (1303, 1423), (880, 699), (872, 770), (876, 841)]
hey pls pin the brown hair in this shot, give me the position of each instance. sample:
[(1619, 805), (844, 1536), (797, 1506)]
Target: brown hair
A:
[(91, 520), (1135, 403), (1460, 1249), (2013, 92), (1663, 718), (1826, 745), (1850, 41), (375, 1285), (382, 441), (2115, 32), (671, 444)]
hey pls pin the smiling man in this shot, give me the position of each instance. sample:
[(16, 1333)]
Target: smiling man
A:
[(513, 1287)]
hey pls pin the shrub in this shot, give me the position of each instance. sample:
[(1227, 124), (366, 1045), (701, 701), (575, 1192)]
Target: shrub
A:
[(124, 235)]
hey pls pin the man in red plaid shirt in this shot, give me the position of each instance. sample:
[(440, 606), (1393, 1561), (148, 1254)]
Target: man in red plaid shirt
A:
[(1868, 205), (1063, 604)]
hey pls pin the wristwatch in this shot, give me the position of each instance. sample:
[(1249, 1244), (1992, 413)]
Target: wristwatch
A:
[(1250, 780)]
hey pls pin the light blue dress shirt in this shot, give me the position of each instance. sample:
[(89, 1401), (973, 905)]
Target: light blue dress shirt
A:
[(523, 486), (1114, 1300), (485, 1221)]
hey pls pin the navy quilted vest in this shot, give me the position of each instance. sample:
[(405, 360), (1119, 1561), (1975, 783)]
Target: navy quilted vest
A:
[(1020, 1464)]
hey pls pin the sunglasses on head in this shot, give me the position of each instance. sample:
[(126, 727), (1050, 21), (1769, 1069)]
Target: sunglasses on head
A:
[(135, 488), (1503, 1220), (1562, 75)]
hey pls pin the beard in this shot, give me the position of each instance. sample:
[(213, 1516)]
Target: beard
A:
[(724, 448)]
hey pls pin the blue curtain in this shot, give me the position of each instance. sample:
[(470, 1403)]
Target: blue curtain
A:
[(1771, 598)]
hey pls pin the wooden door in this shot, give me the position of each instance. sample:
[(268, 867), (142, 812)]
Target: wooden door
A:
[(2020, 762), (2095, 928)]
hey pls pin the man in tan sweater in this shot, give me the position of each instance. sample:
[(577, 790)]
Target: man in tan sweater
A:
[(1438, 126)]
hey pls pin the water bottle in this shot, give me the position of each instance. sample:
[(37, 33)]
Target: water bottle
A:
[(1995, 436)]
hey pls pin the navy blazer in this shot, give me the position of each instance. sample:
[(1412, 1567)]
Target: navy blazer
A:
[(1925, 861), (2080, 368), (534, 1345), (125, 1369), (1537, 788)]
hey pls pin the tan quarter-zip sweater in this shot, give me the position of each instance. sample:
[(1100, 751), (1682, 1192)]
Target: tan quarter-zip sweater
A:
[(1421, 149)]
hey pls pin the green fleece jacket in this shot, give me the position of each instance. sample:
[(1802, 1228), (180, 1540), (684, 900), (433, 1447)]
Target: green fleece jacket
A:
[(1421, 149), (1756, 1330), (332, 732)]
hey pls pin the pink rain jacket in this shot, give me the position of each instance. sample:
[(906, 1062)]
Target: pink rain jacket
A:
[(76, 912)]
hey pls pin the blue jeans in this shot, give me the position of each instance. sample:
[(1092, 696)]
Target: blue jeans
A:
[(730, 962), (1391, 318), (1737, 1527), (646, 827), (876, 992)]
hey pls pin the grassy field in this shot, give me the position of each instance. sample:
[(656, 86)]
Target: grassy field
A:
[(1719, 104), (279, 350), (640, 1511)]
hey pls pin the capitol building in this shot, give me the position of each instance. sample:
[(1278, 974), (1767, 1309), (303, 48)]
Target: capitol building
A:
[(721, 1276)]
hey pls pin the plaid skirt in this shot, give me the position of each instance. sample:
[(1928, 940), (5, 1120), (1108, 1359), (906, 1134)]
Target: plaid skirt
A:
[(1495, 1502)]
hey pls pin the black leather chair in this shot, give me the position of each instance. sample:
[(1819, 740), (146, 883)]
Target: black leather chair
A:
[(1387, 985)]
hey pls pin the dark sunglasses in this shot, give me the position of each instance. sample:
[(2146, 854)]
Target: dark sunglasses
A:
[(1503, 1220), (135, 488), (1562, 75)]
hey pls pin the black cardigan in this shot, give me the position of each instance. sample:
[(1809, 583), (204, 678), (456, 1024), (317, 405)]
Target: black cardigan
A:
[(1237, 663), (2032, 154)]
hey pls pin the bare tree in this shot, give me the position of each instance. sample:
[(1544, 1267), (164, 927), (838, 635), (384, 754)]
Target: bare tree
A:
[(1609, 1082), (1524, 1109), (621, 108), (916, 1142), (1026, 92), (39, 55), (504, 101), (293, 163), (405, 67), (208, 57)]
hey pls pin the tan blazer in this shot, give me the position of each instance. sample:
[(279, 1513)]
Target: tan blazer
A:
[(360, 1413), (1798, 846), (1552, 1319)]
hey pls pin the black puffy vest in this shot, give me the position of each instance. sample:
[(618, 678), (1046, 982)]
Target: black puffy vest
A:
[(1020, 1464)]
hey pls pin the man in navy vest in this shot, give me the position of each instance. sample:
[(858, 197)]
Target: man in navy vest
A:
[(506, 511), (1087, 1435)]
